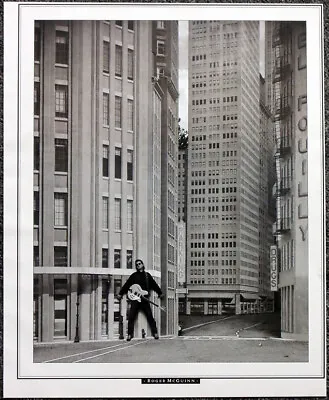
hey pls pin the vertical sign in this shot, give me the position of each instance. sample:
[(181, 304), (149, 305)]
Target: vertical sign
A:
[(274, 268), (181, 261)]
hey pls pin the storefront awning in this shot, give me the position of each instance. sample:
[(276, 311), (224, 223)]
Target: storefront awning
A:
[(249, 296)]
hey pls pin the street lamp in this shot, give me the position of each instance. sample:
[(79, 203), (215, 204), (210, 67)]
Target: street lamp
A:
[(77, 333), (80, 281)]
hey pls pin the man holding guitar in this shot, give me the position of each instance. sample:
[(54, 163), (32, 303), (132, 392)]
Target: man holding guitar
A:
[(138, 287)]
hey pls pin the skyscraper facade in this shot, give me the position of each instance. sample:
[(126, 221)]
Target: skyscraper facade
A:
[(291, 189), (267, 205), (224, 200), (166, 50), (98, 117)]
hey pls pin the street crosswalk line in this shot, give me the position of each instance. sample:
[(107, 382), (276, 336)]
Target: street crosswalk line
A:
[(220, 338)]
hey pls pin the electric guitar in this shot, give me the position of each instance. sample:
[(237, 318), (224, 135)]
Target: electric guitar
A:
[(136, 293)]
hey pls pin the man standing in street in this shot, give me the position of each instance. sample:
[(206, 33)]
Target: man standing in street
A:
[(146, 282)]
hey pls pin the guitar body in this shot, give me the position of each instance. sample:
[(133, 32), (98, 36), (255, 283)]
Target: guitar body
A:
[(135, 292)]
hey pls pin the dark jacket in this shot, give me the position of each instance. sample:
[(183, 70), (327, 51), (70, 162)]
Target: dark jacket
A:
[(144, 280)]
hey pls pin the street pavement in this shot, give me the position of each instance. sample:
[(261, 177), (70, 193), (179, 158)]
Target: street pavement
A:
[(222, 339)]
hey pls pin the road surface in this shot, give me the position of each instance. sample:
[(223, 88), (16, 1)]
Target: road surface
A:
[(220, 339)]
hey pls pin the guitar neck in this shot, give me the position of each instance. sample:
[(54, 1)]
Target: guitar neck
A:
[(157, 305)]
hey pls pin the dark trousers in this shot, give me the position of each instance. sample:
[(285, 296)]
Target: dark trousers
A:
[(134, 309)]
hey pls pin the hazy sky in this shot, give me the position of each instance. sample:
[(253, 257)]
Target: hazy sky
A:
[(183, 68)]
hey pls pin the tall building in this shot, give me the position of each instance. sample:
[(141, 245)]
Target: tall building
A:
[(266, 204), (290, 120), (182, 182), (224, 201), (182, 218), (98, 120), (165, 45)]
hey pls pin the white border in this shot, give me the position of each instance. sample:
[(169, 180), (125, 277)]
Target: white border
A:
[(14, 387)]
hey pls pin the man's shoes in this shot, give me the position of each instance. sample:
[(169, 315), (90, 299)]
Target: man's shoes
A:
[(156, 336), (129, 337)]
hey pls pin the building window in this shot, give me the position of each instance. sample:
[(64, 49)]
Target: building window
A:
[(129, 165), (131, 25), (129, 259), (106, 57), (160, 48), (61, 155), (118, 60), (130, 215), (118, 112), (61, 101), (130, 126), (62, 47), (117, 258), (130, 64), (36, 208), (60, 216), (37, 44), (118, 23), (161, 24), (60, 307), (36, 98), (36, 156), (36, 257), (197, 307), (117, 167), (106, 109), (105, 258), (105, 161), (105, 219), (60, 256), (117, 214)]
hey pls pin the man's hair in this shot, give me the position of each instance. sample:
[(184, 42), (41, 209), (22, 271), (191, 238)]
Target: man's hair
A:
[(139, 260)]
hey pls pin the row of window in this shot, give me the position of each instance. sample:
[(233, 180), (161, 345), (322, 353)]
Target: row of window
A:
[(117, 262), (118, 60), (225, 281), (61, 257), (117, 163), (117, 214), (118, 112), (61, 158), (61, 211)]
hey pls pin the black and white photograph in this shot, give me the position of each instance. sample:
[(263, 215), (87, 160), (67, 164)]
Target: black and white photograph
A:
[(167, 212)]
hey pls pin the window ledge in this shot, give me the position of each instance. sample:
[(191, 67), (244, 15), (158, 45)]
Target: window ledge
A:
[(61, 173)]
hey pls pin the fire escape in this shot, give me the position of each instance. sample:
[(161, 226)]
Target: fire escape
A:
[(281, 112)]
